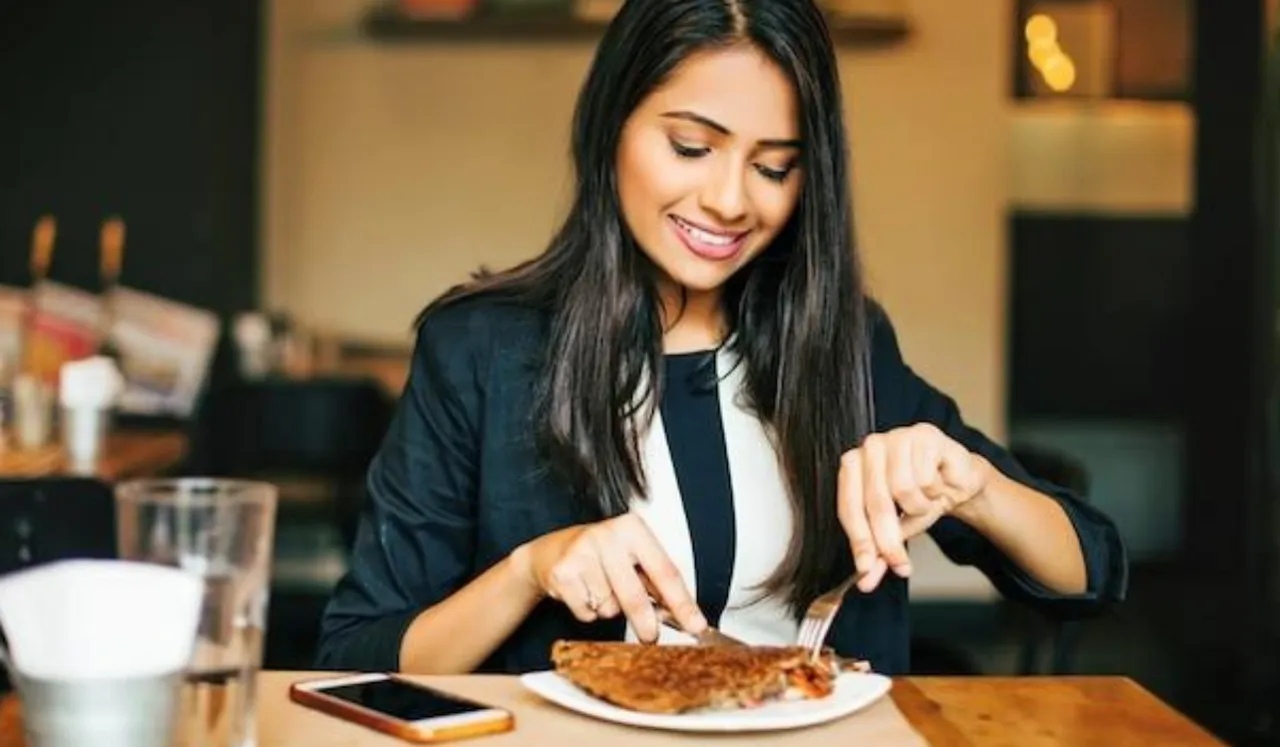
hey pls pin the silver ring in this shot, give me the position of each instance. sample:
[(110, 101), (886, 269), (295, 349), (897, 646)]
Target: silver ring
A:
[(593, 604)]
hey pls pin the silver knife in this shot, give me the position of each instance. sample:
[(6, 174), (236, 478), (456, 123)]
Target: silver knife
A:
[(713, 637), (708, 637)]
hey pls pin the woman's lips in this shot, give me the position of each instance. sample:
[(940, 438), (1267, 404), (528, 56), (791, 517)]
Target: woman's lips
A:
[(706, 243)]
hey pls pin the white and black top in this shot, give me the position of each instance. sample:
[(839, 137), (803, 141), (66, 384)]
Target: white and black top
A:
[(460, 482), (717, 497)]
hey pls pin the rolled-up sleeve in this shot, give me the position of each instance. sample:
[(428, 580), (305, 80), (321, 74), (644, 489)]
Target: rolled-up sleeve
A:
[(1105, 557), (414, 545)]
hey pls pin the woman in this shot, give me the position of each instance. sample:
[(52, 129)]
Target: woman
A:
[(686, 395)]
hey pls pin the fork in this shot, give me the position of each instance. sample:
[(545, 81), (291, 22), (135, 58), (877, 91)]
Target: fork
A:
[(821, 613)]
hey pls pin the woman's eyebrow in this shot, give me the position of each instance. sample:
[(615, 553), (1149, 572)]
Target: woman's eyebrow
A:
[(696, 118)]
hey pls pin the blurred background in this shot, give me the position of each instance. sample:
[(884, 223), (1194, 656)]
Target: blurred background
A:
[(1069, 207)]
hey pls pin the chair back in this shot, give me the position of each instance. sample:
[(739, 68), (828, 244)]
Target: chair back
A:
[(48, 519), (1055, 467), (1066, 472), (321, 427), (44, 520)]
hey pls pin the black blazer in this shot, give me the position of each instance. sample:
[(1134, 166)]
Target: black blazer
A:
[(458, 485)]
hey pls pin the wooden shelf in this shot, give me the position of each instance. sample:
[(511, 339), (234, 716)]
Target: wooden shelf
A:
[(387, 23)]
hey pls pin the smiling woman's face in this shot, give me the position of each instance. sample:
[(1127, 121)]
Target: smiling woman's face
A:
[(708, 168)]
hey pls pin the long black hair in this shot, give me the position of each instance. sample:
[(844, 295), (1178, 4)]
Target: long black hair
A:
[(797, 314)]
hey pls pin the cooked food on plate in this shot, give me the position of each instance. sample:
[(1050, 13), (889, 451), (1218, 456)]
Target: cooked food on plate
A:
[(678, 679)]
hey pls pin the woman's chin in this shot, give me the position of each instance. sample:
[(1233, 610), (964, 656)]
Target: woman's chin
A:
[(700, 279)]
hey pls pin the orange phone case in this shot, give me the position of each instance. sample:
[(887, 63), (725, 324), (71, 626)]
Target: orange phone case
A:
[(395, 727)]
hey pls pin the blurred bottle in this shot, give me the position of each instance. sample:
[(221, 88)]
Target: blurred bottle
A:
[(112, 261), (254, 347), (7, 369)]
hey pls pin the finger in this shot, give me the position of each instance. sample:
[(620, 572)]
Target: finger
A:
[(651, 589), (853, 513), (882, 512), (598, 588), (609, 608), (913, 526), (927, 464), (566, 585), (619, 567), (666, 581), (873, 577), (902, 477), (956, 467)]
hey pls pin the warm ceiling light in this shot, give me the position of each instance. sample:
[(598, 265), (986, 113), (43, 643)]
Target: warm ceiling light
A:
[(1059, 73), (1041, 28), (1042, 50)]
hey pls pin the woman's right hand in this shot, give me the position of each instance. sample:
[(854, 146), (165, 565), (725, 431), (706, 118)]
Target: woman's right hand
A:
[(600, 570)]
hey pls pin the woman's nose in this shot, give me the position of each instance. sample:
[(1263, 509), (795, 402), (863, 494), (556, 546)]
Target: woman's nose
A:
[(724, 195)]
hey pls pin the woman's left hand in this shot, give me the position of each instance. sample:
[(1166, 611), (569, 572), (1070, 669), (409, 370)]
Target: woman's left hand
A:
[(895, 486)]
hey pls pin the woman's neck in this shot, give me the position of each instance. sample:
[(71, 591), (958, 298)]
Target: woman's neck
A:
[(691, 321)]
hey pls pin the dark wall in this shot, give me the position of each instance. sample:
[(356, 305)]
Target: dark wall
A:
[(1233, 310), (1135, 318), (148, 109), (1100, 315)]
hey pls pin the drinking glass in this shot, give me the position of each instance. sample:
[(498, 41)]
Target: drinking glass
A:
[(222, 530)]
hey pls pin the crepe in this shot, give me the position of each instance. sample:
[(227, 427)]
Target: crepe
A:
[(678, 679)]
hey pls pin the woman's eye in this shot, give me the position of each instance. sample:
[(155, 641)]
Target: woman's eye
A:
[(776, 175), (688, 151)]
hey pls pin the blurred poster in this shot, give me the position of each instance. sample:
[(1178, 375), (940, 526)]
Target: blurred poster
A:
[(165, 350), (13, 308), (64, 327)]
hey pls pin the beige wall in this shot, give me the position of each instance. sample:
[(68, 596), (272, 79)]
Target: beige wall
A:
[(393, 171), (1109, 157)]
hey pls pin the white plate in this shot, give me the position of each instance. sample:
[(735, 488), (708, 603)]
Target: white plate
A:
[(853, 692)]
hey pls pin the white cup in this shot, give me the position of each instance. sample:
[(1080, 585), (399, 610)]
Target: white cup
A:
[(32, 412), (107, 712), (84, 432)]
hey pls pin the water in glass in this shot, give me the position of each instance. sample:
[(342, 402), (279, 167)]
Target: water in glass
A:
[(222, 530)]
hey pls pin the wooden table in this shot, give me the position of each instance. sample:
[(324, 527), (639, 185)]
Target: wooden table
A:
[(1042, 711), (127, 454), (934, 711)]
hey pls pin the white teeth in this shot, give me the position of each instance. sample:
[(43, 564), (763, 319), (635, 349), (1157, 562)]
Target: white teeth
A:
[(707, 237), (710, 238)]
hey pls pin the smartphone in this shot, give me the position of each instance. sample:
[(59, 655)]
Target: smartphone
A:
[(401, 707)]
